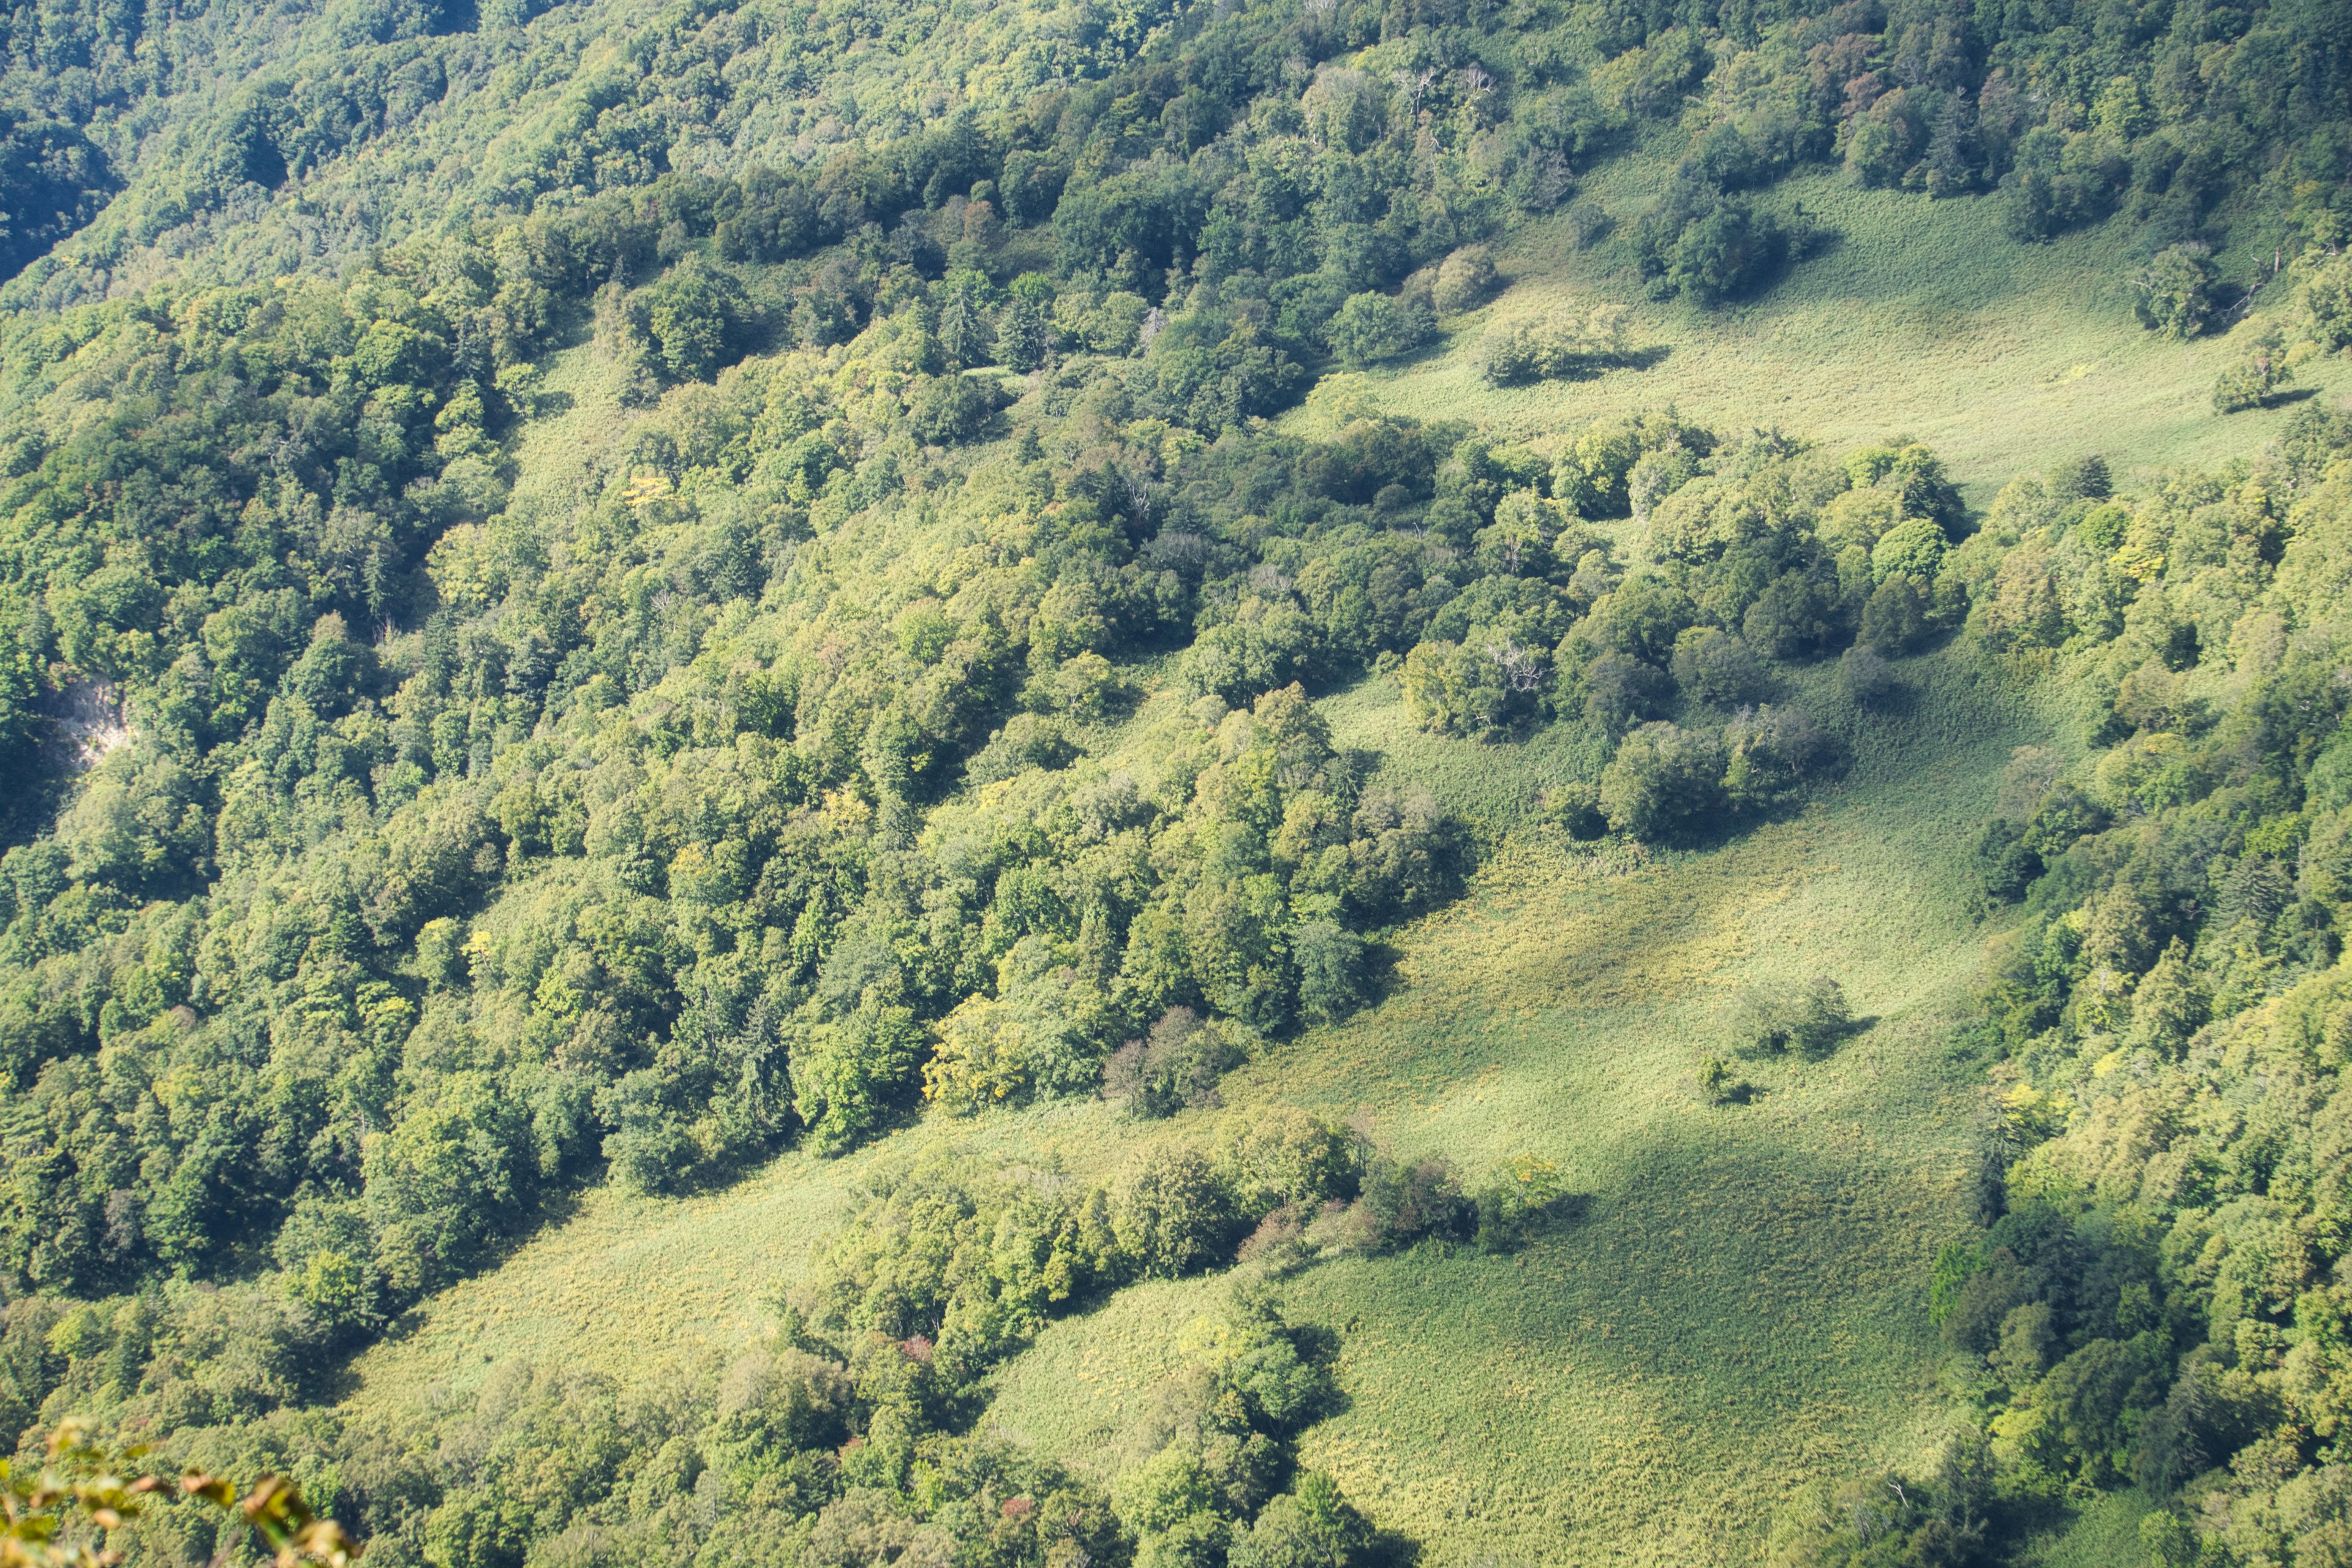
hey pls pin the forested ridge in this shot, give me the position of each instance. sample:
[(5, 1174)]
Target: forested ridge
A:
[(914, 712)]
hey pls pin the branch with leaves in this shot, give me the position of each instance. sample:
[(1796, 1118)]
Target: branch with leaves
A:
[(57, 1516)]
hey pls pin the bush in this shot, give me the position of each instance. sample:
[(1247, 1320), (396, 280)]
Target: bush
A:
[(1465, 280), (1662, 779), (1709, 246), (1405, 1202), (1716, 1086), (699, 319), (1525, 351), (1277, 1157), (1810, 1020), (1330, 960), (1170, 1214), (2258, 373), (1176, 1069), (1621, 692), (2004, 865), (1771, 753), (1373, 327), (1716, 666), (1864, 679), (1313, 1526), (1515, 1204)]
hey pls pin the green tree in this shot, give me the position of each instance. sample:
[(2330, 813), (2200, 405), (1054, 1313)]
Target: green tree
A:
[(2260, 371), (698, 318), (1372, 327), (1663, 780), (2173, 294)]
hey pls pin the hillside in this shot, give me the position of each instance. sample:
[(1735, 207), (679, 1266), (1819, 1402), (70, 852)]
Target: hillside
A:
[(1922, 317), (1735, 1309), (1301, 786)]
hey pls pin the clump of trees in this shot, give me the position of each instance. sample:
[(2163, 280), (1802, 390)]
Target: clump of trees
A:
[(2173, 296), (2261, 369), (1527, 351)]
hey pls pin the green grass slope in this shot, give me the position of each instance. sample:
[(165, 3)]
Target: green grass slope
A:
[(1920, 317), (1736, 1310)]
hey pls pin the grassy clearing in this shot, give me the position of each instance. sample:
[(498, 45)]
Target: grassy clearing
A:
[(1739, 1307), (1922, 317)]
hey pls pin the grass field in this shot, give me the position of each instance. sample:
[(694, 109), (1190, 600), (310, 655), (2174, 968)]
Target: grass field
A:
[(1921, 318), (1647, 1383)]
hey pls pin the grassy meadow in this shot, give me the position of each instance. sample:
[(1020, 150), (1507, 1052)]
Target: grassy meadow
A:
[(1918, 317)]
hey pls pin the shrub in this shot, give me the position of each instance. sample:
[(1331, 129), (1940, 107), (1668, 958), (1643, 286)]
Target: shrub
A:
[(1373, 327), (2004, 865), (2086, 478), (1465, 280), (1175, 1068), (1716, 1086), (1313, 1526), (1864, 679), (1518, 1200), (1525, 352), (699, 319), (1810, 1020), (1170, 1214), (1772, 753), (1279, 1157), (1331, 979), (1662, 779), (1716, 666), (1405, 1202), (1709, 246), (2258, 373)]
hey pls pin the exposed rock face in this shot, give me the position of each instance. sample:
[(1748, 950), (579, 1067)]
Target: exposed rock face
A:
[(92, 715)]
